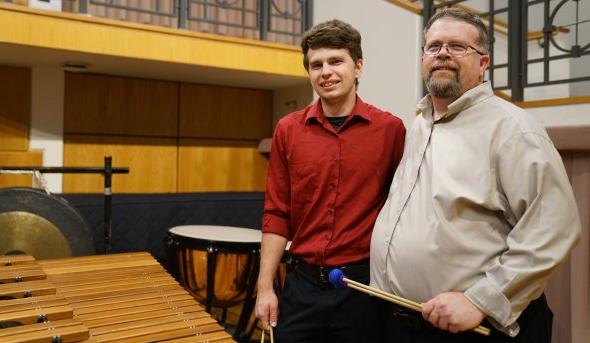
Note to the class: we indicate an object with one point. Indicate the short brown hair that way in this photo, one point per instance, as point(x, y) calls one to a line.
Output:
point(334, 34)
point(464, 16)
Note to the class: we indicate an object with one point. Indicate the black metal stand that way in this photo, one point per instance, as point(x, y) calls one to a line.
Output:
point(108, 203)
point(107, 172)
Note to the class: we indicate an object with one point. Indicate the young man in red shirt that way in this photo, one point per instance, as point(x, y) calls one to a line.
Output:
point(330, 169)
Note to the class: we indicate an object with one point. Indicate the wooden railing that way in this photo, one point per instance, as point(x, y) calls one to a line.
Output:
point(280, 21)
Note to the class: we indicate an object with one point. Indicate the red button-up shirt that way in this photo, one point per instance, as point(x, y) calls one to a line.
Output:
point(325, 187)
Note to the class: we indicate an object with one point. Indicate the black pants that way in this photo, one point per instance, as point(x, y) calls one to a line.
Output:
point(409, 327)
point(312, 312)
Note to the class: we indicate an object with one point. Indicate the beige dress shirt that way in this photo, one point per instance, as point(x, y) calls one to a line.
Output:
point(481, 204)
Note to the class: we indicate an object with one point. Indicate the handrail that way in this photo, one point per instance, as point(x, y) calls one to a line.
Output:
point(408, 5)
point(554, 102)
point(500, 26)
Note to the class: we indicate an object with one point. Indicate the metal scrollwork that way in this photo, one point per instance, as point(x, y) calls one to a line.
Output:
point(296, 14)
point(576, 50)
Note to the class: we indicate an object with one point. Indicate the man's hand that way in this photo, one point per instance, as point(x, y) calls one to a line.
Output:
point(271, 250)
point(267, 308)
point(452, 311)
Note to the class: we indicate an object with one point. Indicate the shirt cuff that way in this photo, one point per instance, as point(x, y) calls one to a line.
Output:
point(274, 224)
point(490, 300)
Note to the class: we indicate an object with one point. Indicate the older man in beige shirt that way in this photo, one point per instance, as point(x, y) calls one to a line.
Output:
point(480, 211)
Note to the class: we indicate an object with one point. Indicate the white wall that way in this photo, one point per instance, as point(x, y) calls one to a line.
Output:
point(391, 51)
point(47, 108)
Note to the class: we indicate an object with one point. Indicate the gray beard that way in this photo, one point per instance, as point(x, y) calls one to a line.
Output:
point(445, 89)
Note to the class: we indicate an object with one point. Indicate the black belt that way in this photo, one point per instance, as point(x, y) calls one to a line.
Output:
point(319, 274)
point(407, 318)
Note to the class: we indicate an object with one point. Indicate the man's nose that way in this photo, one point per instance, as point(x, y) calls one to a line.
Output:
point(444, 51)
point(326, 70)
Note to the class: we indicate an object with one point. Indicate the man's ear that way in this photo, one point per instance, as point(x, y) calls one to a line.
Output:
point(358, 68)
point(484, 63)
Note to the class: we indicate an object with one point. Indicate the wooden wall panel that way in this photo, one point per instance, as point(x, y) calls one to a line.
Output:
point(213, 134)
point(15, 108)
point(216, 165)
point(98, 104)
point(570, 138)
point(152, 163)
point(19, 159)
point(225, 112)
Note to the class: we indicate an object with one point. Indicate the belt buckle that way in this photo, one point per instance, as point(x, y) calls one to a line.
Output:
point(323, 275)
point(408, 319)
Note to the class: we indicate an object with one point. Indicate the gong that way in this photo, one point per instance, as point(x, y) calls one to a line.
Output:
point(43, 225)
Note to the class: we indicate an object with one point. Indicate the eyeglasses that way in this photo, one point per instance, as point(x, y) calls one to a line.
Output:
point(454, 49)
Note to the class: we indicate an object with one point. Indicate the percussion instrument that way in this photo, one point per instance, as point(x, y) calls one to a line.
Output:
point(45, 226)
point(106, 298)
point(219, 266)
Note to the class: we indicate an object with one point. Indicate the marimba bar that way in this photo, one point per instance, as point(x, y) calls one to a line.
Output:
point(106, 298)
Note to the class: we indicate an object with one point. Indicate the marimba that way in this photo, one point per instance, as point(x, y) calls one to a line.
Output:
point(103, 298)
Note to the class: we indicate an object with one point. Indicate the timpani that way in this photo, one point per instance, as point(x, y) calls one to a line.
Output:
point(218, 265)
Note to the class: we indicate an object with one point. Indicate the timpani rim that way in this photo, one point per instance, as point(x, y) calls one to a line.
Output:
point(217, 233)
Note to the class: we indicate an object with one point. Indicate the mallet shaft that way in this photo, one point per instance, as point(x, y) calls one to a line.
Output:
point(412, 305)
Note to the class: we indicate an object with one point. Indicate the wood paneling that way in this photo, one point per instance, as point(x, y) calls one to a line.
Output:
point(214, 165)
point(118, 105)
point(151, 161)
point(570, 138)
point(19, 159)
point(225, 112)
point(213, 147)
point(15, 108)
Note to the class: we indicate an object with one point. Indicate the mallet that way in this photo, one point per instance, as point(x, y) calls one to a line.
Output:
point(338, 279)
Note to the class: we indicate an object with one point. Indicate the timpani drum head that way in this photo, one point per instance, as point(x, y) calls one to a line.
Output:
point(45, 226)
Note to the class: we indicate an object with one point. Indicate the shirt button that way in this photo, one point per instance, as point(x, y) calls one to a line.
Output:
point(332, 185)
point(327, 237)
point(331, 211)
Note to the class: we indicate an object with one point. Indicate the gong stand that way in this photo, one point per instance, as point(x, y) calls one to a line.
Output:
point(107, 172)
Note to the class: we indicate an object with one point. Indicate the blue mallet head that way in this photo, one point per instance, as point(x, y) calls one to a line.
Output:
point(336, 278)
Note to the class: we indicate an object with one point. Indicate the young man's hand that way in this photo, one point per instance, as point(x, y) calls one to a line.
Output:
point(267, 308)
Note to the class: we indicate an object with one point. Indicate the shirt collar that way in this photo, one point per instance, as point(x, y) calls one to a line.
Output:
point(316, 113)
point(467, 99)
